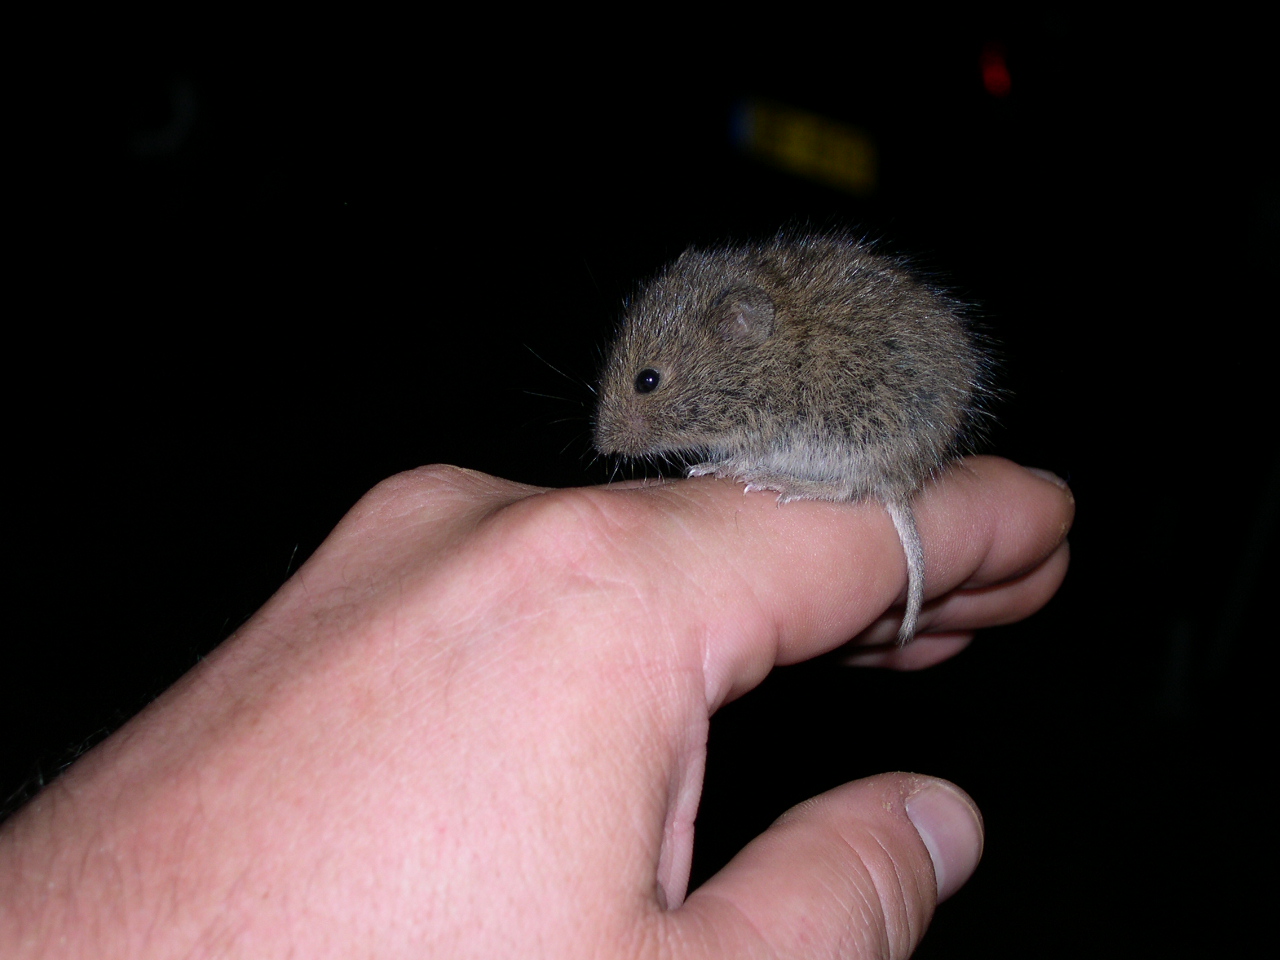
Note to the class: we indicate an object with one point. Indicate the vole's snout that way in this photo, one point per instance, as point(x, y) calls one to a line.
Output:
point(623, 433)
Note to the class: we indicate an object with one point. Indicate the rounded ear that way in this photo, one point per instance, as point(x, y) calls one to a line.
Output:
point(743, 315)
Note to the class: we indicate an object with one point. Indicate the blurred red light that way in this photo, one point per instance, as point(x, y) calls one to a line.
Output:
point(995, 70)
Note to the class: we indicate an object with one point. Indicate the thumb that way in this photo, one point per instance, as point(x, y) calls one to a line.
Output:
point(853, 873)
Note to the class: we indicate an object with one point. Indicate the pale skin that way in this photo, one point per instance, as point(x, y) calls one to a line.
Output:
point(474, 723)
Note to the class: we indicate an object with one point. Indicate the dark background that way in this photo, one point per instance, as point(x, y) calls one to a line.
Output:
point(266, 275)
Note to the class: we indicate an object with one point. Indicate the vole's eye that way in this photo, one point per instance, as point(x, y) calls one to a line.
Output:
point(647, 381)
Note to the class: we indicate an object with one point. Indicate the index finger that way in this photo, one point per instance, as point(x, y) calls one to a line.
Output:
point(762, 584)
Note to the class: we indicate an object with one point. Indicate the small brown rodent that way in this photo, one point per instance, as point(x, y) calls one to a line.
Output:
point(807, 365)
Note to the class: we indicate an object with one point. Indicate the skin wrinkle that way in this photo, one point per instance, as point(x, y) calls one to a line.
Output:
point(428, 496)
point(860, 874)
point(197, 815)
point(718, 688)
point(644, 668)
point(1002, 524)
point(967, 601)
point(777, 629)
point(485, 622)
point(220, 932)
point(643, 941)
point(676, 805)
point(898, 899)
point(1031, 590)
point(661, 807)
point(590, 560)
point(863, 916)
point(731, 903)
point(717, 691)
point(236, 890)
point(716, 589)
point(630, 586)
point(862, 913)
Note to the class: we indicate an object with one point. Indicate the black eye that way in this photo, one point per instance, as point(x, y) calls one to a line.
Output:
point(647, 381)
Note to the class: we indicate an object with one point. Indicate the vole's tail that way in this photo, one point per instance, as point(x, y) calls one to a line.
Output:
point(904, 521)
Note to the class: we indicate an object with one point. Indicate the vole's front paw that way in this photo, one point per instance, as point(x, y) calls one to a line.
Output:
point(787, 488)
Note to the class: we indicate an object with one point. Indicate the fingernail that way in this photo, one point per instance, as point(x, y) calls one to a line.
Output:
point(951, 828)
point(1049, 475)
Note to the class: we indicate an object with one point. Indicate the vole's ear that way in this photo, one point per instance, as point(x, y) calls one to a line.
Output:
point(743, 315)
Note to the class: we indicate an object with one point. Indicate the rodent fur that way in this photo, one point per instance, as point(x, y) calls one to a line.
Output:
point(808, 365)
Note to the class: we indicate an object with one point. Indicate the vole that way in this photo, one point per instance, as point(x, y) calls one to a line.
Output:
point(808, 365)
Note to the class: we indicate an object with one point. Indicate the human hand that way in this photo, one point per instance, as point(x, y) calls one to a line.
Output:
point(474, 724)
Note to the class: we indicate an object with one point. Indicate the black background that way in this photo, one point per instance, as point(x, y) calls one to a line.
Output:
point(263, 275)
